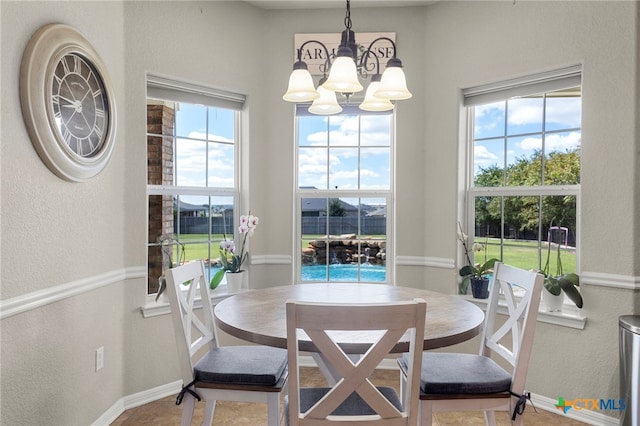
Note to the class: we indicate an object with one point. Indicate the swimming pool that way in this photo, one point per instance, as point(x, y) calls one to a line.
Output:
point(370, 273)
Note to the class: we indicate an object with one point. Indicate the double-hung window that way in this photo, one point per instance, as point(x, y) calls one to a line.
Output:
point(523, 156)
point(344, 196)
point(193, 141)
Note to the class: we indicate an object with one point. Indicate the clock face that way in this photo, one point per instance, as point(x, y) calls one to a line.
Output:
point(80, 106)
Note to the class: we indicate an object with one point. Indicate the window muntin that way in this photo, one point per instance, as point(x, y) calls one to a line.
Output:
point(347, 151)
point(199, 187)
point(525, 168)
point(344, 193)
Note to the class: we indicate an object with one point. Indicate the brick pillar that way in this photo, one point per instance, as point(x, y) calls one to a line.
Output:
point(160, 119)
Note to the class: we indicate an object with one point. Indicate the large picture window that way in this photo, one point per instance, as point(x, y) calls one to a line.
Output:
point(192, 173)
point(343, 201)
point(524, 170)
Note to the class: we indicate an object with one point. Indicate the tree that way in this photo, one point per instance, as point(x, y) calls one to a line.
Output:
point(523, 212)
point(336, 209)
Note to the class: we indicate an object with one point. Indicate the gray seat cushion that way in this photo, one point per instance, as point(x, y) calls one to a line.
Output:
point(242, 365)
point(453, 373)
point(352, 406)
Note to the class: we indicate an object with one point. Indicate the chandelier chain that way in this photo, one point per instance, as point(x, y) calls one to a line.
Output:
point(347, 18)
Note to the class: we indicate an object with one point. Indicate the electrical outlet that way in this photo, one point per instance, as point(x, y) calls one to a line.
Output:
point(99, 358)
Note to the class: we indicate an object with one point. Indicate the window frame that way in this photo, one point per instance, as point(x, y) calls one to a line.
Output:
point(546, 82)
point(386, 194)
point(176, 91)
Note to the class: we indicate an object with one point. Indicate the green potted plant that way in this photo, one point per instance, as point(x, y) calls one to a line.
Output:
point(559, 282)
point(476, 274)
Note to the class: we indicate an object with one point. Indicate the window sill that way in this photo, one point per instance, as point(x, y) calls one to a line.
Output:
point(568, 317)
point(153, 309)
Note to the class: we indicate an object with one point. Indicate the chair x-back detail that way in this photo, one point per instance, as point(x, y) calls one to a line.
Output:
point(209, 372)
point(354, 398)
point(466, 382)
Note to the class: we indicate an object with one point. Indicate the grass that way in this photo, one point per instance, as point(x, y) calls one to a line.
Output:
point(196, 246)
point(523, 254)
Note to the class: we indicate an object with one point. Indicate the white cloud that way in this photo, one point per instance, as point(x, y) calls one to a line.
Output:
point(191, 162)
point(212, 137)
point(483, 157)
point(525, 114)
point(567, 111)
point(484, 122)
point(313, 167)
point(553, 142)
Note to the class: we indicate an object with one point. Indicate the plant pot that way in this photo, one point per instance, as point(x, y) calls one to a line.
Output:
point(463, 287)
point(552, 302)
point(234, 281)
point(480, 288)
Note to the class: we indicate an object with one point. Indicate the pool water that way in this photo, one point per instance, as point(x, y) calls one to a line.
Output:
point(369, 273)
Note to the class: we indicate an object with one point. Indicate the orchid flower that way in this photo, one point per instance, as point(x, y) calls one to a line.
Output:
point(230, 260)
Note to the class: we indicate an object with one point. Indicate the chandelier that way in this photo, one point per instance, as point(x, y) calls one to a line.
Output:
point(343, 68)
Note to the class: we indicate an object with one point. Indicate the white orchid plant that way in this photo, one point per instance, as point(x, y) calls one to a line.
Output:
point(470, 270)
point(230, 259)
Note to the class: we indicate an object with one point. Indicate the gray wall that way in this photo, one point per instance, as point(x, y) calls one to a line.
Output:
point(82, 259)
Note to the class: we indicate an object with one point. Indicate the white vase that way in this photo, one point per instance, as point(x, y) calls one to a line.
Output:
point(234, 281)
point(552, 302)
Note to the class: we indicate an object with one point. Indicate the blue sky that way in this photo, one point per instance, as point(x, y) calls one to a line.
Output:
point(524, 125)
point(330, 144)
point(198, 124)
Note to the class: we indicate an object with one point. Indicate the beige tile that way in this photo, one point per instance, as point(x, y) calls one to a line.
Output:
point(165, 412)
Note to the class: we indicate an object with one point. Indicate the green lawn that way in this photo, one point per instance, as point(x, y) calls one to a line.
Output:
point(196, 246)
point(522, 254)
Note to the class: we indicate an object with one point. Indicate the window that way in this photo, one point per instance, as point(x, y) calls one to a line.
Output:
point(524, 167)
point(343, 200)
point(192, 173)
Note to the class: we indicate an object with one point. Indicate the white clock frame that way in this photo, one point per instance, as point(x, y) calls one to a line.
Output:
point(43, 52)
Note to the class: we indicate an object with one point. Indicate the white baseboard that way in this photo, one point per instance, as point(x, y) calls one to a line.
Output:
point(140, 398)
point(136, 400)
point(590, 417)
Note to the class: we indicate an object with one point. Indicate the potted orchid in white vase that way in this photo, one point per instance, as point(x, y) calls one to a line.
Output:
point(231, 260)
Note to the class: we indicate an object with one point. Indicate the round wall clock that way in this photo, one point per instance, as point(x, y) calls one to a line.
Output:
point(67, 103)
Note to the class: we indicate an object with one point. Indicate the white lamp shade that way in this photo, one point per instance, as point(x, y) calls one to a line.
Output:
point(372, 102)
point(326, 104)
point(393, 85)
point(343, 76)
point(301, 87)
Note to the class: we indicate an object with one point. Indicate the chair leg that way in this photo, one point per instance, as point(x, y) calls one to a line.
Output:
point(490, 418)
point(426, 413)
point(188, 407)
point(209, 408)
point(273, 408)
point(403, 388)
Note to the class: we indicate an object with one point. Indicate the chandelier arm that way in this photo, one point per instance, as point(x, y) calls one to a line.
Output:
point(364, 66)
point(393, 46)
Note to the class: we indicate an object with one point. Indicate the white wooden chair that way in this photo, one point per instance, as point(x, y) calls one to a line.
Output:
point(353, 399)
point(209, 372)
point(467, 382)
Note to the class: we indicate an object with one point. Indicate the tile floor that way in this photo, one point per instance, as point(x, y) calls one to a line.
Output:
point(164, 412)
